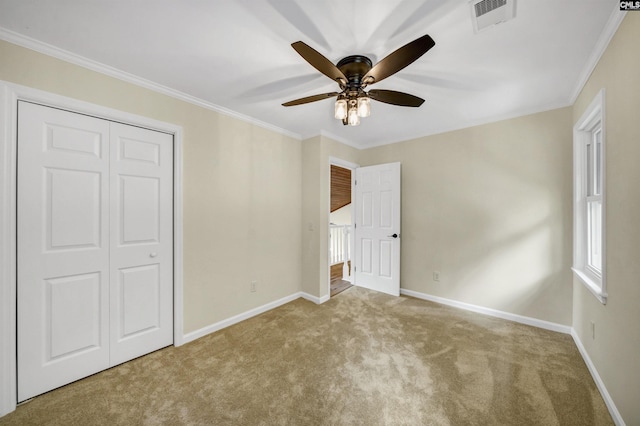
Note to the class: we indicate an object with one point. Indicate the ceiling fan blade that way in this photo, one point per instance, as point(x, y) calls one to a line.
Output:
point(399, 59)
point(319, 62)
point(311, 99)
point(395, 98)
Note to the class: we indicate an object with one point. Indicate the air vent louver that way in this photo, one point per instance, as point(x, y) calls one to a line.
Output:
point(486, 6)
point(487, 13)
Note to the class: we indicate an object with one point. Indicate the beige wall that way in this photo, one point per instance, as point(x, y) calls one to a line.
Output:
point(342, 216)
point(615, 351)
point(240, 182)
point(312, 271)
point(316, 185)
point(489, 207)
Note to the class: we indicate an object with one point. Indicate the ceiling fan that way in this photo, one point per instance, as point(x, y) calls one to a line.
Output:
point(354, 73)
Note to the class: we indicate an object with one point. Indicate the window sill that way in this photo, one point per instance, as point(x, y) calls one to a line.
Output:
point(592, 285)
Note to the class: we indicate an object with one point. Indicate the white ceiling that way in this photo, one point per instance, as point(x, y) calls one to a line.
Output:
point(236, 55)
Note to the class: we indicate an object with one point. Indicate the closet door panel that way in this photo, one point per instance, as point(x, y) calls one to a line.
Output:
point(95, 245)
point(63, 248)
point(141, 241)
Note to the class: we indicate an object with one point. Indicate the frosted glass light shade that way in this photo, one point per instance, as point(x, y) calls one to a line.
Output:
point(364, 107)
point(354, 119)
point(341, 109)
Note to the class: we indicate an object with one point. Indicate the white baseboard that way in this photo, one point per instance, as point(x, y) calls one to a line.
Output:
point(615, 414)
point(491, 312)
point(189, 337)
point(314, 299)
point(613, 410)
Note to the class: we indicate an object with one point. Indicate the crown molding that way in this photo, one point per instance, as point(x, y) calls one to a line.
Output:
point(523, 112)
point(340, 139)
point(610, 28)
point(56, 52)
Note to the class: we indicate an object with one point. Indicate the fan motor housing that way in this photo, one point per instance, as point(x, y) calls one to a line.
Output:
point(355, 67)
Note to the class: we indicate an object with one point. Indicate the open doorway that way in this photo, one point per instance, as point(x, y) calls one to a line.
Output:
point(340, 229)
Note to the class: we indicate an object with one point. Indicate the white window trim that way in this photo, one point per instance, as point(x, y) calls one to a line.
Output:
point(594, 113)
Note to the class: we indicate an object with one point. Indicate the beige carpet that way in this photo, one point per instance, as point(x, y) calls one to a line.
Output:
point(362, 358)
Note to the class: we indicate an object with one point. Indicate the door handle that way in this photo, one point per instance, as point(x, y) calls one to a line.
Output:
point(153, 254)
point(393, 236)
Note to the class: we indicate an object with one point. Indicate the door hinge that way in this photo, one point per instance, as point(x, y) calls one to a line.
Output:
point(356, 182)
point(355, 225)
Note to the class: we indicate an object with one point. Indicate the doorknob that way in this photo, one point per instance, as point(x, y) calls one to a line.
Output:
point(393, 236)
point(153, 254)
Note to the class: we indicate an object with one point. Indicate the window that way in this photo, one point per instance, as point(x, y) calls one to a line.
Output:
point(588, 188)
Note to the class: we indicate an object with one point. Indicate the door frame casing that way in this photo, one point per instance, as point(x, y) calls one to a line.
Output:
point(10, 94)
point(333, 161)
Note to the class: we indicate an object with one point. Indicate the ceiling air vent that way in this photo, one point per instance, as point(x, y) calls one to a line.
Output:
point(487, 13)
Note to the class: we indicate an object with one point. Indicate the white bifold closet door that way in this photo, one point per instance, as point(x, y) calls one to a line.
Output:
point(95, 245)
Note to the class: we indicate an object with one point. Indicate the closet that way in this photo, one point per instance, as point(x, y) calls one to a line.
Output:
point(95, 245)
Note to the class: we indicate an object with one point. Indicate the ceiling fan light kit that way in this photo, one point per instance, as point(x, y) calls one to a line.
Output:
point(341, 109)
point(354, 118)
point(364, 106)
point(355, 73)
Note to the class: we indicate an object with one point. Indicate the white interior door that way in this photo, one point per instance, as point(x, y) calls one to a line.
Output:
point(63, 248)
point(377, 231)
point(95, 261)
point(141, 241)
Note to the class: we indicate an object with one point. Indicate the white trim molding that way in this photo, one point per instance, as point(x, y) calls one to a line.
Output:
point(583, 131)
point(613, 410)
point(335, 161)
point(337, 138)
point(193, 335)
point(615, 19)
point(56, 52)
point(8, 379)
point(343, 163)
point(10, 94)
point(522, 112)
point(315, 299)
point(201, 332)
point(560, 328)
point(178, 240)
point(547, 325)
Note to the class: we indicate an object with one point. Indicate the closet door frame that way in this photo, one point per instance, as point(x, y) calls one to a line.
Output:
point(10, 94)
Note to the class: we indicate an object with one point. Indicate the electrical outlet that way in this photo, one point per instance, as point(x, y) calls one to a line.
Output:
point(436, 276)
point(593, 329)
point(252, 288)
